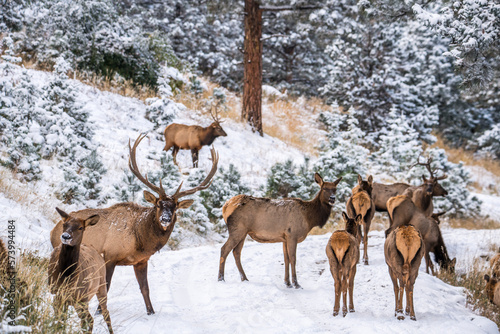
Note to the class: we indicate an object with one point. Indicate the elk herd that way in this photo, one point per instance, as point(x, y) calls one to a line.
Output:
point(90, 243)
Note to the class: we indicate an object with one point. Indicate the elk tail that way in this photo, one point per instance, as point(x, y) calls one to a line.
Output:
point(340, 246)
point(408, 243)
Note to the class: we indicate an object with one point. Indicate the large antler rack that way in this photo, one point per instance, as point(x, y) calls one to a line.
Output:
point(132, 164)
point(427, 165)
point(203, 185)
point(215, 115)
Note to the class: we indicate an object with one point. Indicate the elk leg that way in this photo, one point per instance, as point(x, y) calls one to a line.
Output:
point(292, 251)
point(87, 322)
point(365, 243)
point(110, 269)
point(194, 154)
point(230, 244)
point(396, 290)
point(336, 306)
point(428, 263)
point(102, 297)
point(400, 300)
point(409, 297)
point(344, 292)
point(287, 265)
point(352, 273)
point(237, 259)
point(141, 274)
point(175, 150)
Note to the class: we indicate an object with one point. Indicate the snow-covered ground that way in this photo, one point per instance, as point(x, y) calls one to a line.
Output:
point(188, 298)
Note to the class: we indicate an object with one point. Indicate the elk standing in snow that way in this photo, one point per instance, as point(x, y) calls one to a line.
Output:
point(77, 272)
point(403, 250)
point(361, 203)
point(342, 251)
point(286, 220)
point(129, 234)
point(192, 137)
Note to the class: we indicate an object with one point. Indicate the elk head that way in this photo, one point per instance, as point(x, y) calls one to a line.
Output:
point(431, 185)
point(351, 224)
point(73, 228)
point(436, 216)
point(491, 283)
point(328, 189)
point(366, 185)
point(166, 205)
point(215, 127)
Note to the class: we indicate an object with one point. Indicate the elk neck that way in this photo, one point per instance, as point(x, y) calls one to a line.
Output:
point(318, 211)
point(68, 259)
point(149, 236)
point(207, 136)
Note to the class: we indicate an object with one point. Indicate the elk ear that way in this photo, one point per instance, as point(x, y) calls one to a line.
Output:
point(337, 181)
point(360, 179)
point(318, 179)
point(63, 214)
point(344, 216)
point(487, 278)
point(370, 179)
point(185, 204)
point(92, 220)
point(149, 197)
point(358, 219)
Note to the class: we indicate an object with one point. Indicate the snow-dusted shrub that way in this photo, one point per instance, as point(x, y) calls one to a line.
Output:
point(161, 112)
point(288, 180)
point(489, 142)
point(225, 184)
point(128, 190)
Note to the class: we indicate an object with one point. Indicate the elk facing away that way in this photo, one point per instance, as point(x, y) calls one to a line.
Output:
point(287, 220)
point(403, 211)
point(422, 194)
point(342, 251)
point(192, 137)
point(129, 234)
point(403, 251)
point(361, 203)
point(77, 272)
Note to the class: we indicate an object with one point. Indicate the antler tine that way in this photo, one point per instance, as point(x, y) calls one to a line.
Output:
point(132, 164)
point(427, 164)
point(206, 183)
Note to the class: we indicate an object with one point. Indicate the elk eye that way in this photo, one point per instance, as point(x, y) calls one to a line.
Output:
point(81, 228)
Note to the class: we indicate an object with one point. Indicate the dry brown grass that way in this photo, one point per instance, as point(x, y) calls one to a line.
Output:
point(473, 223)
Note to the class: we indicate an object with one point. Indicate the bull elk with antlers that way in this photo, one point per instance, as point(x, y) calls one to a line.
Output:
point(361, 203)
point(287, 220)
point(422, 194)
point(192, 137)
point(342, 251)
point(403, 250)
point(129, 234)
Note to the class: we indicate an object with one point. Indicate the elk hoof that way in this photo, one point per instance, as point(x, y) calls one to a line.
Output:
point(297, 286)
point(288, 285)
point(414, 318)
point(344, 312)
point(365, 262)
point(351, 310)
point(335, 313)
point(221, 278)
point(400, 316)
point(150, 312)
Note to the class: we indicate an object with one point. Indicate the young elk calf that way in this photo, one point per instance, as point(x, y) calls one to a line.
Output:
point(78, 272)
point(343, 255)
point(192, 137)
point(403, 251)
point(361, 203)
point(287, 220)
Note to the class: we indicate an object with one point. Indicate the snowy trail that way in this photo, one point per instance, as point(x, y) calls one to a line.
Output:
point(188, 298)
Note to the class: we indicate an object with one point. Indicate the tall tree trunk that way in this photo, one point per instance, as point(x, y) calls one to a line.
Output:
point(252, 79)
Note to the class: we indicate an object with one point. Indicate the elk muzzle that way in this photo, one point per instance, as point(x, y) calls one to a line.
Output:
point(66, 238)
point(331, 200)
point(165, 219)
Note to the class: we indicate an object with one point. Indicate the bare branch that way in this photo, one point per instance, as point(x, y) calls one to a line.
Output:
point(272, 36)
point(285, 8)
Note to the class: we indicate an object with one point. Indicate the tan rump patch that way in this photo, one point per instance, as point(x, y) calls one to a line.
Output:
point(231, 205)
point(394, 202)
point(361, 202)
point(408, 242)
point(340, 244)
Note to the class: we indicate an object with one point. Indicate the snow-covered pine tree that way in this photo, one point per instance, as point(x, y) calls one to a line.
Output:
point(489, 142)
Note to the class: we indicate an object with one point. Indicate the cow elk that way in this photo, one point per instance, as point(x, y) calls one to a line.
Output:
point(77, 272)
point(129, 234)
point(342, 251)
point(403, 250)
point(403, 211)
point(286, 220)
point(361, 203)
point(192, 137)
point(422, 194)
point(493, 289)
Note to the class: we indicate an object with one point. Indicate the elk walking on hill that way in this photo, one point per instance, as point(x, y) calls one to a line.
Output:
point(77, 272)
point(192, 137)
point(129, 234)
point(361, 203)
point(403, 250)
point(403, 211)
point(342, 251)
point(286, 220)
point(422, 194)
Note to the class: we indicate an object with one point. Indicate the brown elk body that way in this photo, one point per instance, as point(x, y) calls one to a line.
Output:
point(129, 234)
point(287, 220)
point(191, 137)
point(77, 272)
point(403, 211)
point(361, 203)
point(4, 259)
point(342, 251)
point(493, 289)
point(403, 250)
